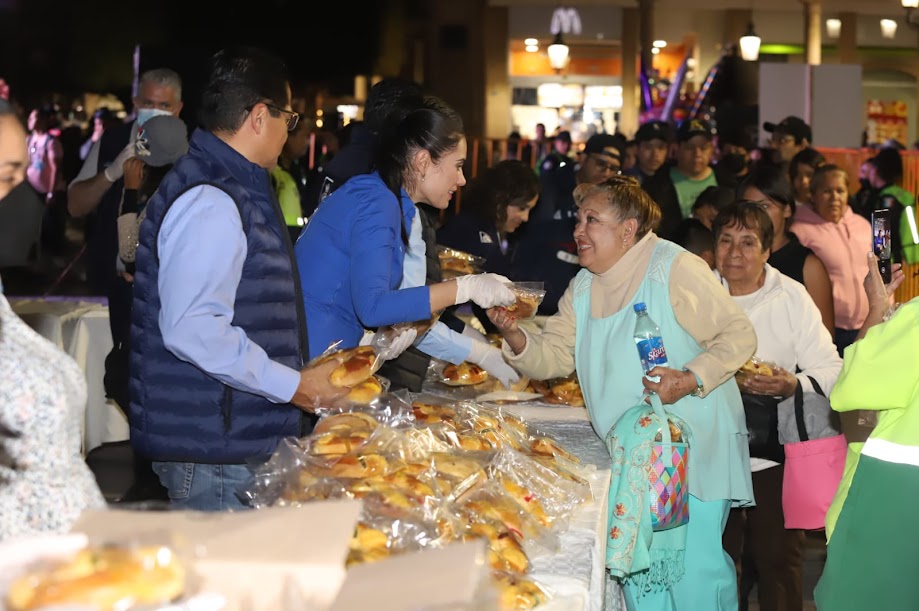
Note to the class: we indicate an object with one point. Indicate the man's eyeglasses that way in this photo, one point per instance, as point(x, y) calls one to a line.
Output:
point(292, 117)
point(604, 166)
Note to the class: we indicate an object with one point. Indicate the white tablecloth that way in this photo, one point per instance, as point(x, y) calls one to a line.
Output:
point(81, 329)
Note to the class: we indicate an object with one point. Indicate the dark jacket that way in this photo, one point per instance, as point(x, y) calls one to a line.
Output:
point(661, 189)
point(102, 223)
point(354, 159)
point(177, 411)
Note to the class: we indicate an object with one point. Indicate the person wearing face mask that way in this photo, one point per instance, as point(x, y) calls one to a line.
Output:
point(96, 191)
point(494, 207)
point(841, 239)
point(44, 482)
point(21, 210)
point(362, 235)
point(707, 338)
point(676, 188)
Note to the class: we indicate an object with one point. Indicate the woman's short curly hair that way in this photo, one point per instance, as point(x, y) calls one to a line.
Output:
point(627, 200)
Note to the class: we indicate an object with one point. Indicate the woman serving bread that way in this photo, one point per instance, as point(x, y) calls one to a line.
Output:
point(352, 252)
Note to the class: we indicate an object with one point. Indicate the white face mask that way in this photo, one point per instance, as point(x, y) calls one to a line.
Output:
point(145, 114)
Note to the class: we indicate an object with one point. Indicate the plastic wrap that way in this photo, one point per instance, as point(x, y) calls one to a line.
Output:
point(381, 533)
point(490, 500)
point(464, 374)
point(536, 488)
point(529, 297)
point(455, 263)
point(560, 391)
point(149, 571)
point(754, 366)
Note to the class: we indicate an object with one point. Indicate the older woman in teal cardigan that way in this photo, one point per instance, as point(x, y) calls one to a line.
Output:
point(707, 338)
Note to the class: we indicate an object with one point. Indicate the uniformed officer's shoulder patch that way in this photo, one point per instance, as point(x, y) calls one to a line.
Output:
point(484, 238)
point(547, 164)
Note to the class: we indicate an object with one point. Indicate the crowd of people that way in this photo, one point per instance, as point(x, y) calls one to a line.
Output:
point(219, 294)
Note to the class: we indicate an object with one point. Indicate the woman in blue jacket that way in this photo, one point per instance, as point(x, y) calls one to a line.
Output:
point(351, 253)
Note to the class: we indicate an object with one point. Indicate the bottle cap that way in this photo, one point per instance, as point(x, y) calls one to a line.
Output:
point(640, 306)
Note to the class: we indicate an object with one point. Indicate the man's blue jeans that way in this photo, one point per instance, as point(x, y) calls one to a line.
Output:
point(204, 487)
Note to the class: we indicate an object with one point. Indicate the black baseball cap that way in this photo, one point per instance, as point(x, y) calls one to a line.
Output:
point(604, 144)
point(655, 130)
point(690, 128)
point(564, 136)
point(793, 126)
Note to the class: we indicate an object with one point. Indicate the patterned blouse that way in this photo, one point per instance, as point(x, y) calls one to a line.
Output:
point(44, 482)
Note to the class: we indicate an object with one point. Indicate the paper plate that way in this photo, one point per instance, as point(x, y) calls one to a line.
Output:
point(509, 395)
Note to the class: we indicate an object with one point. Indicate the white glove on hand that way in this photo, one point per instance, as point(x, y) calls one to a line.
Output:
point(116, 170)
point(399, 344)
point(470, 331)
point(485, 290)
point(367, 338)
point(491, 360)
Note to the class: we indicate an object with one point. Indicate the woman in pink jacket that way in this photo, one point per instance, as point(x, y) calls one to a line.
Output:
point(842, 240)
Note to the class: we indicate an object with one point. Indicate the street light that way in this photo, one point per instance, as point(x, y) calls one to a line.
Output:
point(558, 53)
point(910, 6)
point(749, 45)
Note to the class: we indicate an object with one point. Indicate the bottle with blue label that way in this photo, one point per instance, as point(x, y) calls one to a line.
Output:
point(648, 340)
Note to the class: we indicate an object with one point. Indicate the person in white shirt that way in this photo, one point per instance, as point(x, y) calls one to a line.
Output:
point(791, 335)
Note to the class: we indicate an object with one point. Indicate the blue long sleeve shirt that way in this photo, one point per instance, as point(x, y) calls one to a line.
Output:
point(350, 259)
point(440, 341)
point(202, 248)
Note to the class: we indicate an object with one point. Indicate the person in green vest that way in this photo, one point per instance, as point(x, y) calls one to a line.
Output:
point(887, 168)
point(289, 178)
point(872, 542)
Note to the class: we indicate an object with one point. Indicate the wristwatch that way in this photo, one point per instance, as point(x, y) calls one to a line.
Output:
point(699, 389)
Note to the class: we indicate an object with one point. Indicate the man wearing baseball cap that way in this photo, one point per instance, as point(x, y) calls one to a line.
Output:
point(676, 188)
point(547, 250)
point(790, 136)
point(654, 139)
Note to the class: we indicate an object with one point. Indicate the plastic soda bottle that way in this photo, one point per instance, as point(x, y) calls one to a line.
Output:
point(648, 341)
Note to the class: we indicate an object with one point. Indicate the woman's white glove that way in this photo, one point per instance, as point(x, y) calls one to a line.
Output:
point(491, 360)
point(485, 290)
point(470, 331)
point(116, 170)
point(399, 344)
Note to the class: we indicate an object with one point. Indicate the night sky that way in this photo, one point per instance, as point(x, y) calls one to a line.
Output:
point(67, 47)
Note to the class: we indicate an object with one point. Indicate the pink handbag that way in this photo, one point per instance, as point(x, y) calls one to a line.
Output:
point(813, 470)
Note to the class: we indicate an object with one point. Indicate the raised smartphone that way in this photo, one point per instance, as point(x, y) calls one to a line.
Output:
point(880, 229)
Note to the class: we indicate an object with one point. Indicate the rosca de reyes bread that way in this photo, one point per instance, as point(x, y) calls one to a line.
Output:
point(102, 578)
point(356, 366)
point(525, 306)
point(464, 374)
point(366, 391)
point(755, 367)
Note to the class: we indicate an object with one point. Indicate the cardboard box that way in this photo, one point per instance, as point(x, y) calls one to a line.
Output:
point(453, 578)
point(277, 559)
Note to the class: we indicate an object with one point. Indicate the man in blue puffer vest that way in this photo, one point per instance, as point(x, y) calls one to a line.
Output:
point(218, 327)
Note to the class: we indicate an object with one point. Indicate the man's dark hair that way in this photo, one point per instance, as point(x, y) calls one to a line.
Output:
point(694, 236)
point(810, 157)
point(888, 164)
point(240, 78)
point(390, 99)
point(772, 182)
